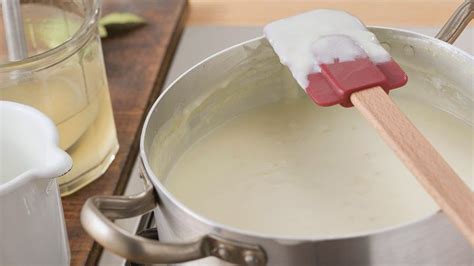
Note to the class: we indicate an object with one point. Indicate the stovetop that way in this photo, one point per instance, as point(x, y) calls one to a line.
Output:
point(196, 44)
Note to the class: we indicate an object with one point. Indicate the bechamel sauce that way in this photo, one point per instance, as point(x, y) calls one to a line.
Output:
point(293, 169)
point(305, 41)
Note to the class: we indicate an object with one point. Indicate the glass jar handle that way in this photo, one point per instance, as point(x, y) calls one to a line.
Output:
point(457, 22)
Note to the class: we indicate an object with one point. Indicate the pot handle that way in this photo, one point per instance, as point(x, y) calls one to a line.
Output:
point(457, 22)
point(95, 219)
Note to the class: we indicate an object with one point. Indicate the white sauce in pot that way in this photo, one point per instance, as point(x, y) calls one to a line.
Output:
point(305, 41)
point(292, 169)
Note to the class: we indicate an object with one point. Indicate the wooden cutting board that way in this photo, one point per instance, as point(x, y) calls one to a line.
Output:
point(136, 64)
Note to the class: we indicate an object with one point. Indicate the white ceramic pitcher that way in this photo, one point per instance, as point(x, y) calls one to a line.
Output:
point(32, 229)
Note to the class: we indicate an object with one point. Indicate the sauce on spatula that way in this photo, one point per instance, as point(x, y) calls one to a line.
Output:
point(295, 39)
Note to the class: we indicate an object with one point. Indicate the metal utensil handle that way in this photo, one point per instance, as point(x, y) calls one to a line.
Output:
point(457, 22)
point(14, 30)
point(97, 212)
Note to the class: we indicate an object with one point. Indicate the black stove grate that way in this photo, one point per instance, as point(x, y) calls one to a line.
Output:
point(147, 229)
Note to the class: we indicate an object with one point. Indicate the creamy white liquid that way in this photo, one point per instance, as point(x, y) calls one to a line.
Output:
point(294, 169)
point(305, 41)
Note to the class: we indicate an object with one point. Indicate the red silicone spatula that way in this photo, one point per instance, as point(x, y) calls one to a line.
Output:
point(365, 85)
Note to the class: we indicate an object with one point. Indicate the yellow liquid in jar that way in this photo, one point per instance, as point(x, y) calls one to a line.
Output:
point(73, 93)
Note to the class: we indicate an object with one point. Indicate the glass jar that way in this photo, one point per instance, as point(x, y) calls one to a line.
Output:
point(63, 75)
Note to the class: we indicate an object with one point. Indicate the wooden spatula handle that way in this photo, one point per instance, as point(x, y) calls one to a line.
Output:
point(419, 156)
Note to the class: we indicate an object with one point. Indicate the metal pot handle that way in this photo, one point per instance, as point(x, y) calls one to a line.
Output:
point(97, 212)
point(457, 22)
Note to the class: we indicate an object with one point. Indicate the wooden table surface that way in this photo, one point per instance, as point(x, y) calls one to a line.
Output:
point(136, 65)
point(372, 12)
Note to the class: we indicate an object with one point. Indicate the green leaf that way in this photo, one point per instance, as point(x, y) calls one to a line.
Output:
point(102, 31)
point(120, 22)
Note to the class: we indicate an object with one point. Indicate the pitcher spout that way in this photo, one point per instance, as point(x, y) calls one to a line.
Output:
point(28, 147)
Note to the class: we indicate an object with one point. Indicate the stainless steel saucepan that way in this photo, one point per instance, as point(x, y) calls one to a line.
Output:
point(236, 79)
